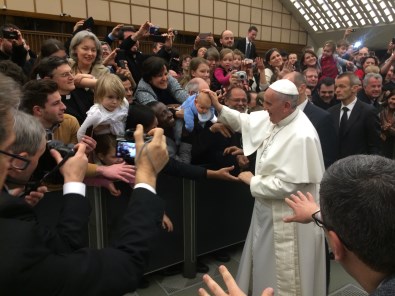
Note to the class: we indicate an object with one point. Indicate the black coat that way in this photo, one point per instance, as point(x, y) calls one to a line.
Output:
point(362, 134)
point(325, 127)
point(29, 266)
point(242, 46)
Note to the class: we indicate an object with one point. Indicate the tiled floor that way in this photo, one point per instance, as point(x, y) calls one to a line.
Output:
point(341, 283)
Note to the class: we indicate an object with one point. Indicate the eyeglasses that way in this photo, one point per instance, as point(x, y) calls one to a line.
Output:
point(242, 101)
point(66, 74)
point(17, 162)
point(321, 224)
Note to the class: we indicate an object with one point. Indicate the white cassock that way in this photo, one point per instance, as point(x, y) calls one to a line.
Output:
point(289, 257)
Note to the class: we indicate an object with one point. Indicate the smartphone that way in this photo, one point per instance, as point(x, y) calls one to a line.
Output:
point(158, 38)
point(88, 23)
point(89, 131)
point(153, 30)
point(393, 40)
point(122, 63)
point(10, 34)
point(126, 149)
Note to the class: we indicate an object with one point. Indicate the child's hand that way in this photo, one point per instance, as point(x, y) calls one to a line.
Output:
point(167, 224)
point(114, 191)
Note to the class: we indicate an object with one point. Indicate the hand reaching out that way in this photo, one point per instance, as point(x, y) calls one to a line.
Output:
point(303, 206)
point(233, 289)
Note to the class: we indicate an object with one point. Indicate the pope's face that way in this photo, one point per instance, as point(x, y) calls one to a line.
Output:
point(274, 106)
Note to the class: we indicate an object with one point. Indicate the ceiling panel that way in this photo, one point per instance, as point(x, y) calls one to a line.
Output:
point(328, 19)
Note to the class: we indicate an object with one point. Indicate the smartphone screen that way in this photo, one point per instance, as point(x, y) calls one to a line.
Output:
point(10, 34)
point(126, 149)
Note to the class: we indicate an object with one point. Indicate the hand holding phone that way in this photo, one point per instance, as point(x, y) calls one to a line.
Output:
point(88, 23)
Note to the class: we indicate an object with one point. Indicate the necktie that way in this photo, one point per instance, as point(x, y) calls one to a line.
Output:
point(343, 121)
point(248, 50)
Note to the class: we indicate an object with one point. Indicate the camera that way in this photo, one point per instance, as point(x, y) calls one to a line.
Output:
point(129, 136)
point(127, 150)
point(126, 146)
point(46, 164)
point(10, 34)
point(242, 75)
point(66, 150)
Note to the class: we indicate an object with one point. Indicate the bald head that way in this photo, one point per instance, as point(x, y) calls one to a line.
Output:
point(300, 81)
point(227, 39)
point(195, 85)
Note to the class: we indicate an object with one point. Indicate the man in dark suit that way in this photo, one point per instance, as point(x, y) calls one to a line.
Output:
point(321, 119)
point(325, 97)
point(26, 252)
point(246, 45)
point(358, 126)
point(372, 88)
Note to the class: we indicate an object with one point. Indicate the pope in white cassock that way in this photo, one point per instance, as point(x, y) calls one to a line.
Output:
point(290, 257)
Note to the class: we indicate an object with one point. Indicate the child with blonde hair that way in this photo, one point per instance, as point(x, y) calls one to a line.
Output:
point(223, 72)
point(110, 109)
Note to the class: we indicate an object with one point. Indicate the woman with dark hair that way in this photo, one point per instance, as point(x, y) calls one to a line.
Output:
point(157, 85)
point(309, 60)
point(365, 62)
point(274, 63)
point(387, 119)
point(50, 47)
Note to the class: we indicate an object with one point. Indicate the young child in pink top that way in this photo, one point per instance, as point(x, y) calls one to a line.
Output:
point(224, 71)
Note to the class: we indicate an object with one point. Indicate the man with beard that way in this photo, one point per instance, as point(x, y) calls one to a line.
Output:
point(325, 95)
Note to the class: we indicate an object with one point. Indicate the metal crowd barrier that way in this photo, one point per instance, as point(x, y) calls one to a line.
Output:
point(207, 215)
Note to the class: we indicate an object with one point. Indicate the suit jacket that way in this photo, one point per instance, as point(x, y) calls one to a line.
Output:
point(386, 288)
point(242, 46)
point(325, 127)
point(68, 234)
point(362, 134)
point(362, 96)
point(29, 265)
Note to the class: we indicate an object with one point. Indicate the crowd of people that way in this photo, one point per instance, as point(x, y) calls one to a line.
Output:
point(275, 123)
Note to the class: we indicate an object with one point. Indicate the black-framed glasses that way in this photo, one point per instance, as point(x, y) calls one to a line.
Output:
point(318, 221)
point(17, 162)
